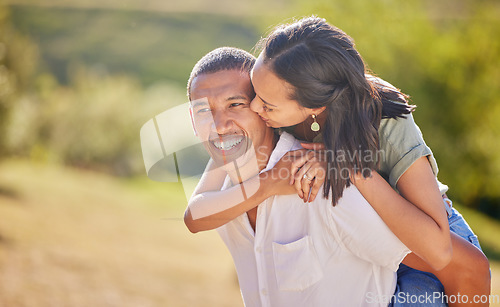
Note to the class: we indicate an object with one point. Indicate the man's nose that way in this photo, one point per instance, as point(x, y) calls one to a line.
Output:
point(222, 122)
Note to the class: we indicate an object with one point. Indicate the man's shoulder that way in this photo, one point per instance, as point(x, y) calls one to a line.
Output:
point(286, 143)
point(289, 141)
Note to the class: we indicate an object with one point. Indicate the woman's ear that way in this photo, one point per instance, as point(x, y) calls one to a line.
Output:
point(318, 111)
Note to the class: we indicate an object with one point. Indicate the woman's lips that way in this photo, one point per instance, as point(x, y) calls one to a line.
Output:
point(266, 121)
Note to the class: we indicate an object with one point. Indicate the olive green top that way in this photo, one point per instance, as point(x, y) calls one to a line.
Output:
point(401, 143)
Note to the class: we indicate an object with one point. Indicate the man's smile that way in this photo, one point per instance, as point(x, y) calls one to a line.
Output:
point(227, 143)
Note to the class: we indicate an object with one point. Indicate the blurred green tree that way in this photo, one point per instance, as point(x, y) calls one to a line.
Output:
point(93, 122)
point(18, 61)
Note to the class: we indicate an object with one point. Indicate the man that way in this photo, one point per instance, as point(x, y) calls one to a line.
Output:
point(286, 253)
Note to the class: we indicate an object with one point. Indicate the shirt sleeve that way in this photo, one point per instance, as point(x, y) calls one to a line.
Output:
point(401, 144)
point(362, 232)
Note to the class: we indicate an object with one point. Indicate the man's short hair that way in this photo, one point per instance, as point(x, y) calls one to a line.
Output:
point(223, 58)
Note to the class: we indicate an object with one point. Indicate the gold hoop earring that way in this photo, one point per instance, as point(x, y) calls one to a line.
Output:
point(315, 126)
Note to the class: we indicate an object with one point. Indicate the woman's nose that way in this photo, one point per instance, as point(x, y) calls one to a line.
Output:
point(256, 105)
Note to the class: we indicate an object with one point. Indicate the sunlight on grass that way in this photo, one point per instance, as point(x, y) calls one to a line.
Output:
point(495, 283)
point(77, 238)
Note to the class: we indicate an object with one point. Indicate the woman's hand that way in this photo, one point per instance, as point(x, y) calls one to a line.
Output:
point(276, 181)
point(306, 171)
point(315, 167)
point(313, 146)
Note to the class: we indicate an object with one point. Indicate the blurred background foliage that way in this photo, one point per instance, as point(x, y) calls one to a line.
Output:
point(79, 78)
point(78, 81)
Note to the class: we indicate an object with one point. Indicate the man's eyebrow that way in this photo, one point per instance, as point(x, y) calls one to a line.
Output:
point(199, 103)
point(265, 102)
point(237, 97)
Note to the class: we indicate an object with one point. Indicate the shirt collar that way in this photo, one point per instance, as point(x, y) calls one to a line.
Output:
point(285, 144)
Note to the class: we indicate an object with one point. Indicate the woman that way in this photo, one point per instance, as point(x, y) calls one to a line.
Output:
point(310, 78)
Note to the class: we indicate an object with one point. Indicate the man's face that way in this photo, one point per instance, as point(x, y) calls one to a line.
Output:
point(220, 105)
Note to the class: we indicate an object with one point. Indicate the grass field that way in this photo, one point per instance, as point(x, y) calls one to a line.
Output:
point(77, 238)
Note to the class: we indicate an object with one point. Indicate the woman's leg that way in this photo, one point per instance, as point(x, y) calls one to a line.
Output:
point(417, 288)
point(467, 274)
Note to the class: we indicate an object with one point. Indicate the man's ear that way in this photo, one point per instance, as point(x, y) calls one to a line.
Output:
point(192, 121)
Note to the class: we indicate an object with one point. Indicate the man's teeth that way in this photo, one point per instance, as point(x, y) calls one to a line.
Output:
point(227, 144)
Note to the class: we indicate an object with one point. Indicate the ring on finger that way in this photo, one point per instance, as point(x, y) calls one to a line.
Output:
point(307, 177)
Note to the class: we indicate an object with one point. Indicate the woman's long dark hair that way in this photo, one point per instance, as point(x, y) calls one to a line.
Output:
point(321, 63)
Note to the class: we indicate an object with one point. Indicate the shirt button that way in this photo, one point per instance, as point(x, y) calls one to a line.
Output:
point(264, 292)
point(258, 249)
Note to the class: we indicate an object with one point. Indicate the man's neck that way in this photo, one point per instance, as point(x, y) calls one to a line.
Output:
point(254, 162)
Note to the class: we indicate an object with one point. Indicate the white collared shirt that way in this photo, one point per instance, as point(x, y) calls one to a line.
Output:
point(313, 254)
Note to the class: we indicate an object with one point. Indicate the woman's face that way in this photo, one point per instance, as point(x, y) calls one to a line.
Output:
point(272, 101)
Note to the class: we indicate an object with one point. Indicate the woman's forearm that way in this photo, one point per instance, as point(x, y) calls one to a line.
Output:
point(212, 209)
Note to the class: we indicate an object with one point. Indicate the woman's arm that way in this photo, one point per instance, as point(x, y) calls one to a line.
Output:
point(212, 209)
point(419, 221)
point(468, 272)
point(209, 207)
